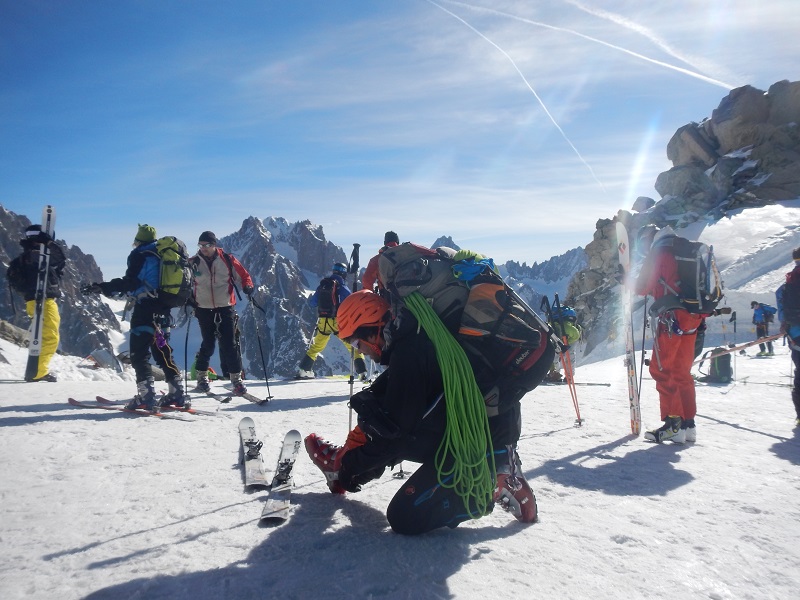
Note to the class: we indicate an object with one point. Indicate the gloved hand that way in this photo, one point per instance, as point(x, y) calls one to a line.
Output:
point(184, 315)
point(353, 482)
point(92, 288)
point(248, 290)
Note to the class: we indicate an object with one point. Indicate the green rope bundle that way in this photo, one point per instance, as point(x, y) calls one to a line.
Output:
point(466, 439)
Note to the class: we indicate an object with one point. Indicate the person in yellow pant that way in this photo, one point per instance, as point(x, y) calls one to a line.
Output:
point(22, 276)
point(326, 299)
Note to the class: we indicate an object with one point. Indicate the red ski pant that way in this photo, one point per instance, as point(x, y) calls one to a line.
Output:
point(671, 367)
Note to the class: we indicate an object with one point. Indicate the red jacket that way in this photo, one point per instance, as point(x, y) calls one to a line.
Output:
point(370, 276)
point(659, 267)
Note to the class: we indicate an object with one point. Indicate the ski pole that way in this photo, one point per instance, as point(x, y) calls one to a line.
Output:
point(566, 360)
point(186, 349)
point(644, 335)
point(258, 339)
point(13, 304)
point(352, 268)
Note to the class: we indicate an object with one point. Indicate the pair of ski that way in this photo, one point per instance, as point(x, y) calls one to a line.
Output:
point(165, 412)
point(623, 249)
point(36, 331)
point(120, 407)
point(276, 508)
point(225, 398)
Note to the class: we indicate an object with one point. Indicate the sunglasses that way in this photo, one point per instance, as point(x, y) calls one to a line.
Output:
point(205, 245)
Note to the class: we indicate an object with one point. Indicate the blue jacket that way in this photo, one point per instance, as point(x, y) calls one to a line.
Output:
point(141, 277)
point(761, 311)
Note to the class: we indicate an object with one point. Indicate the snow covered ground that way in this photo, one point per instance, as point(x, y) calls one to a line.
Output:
point(97, 504)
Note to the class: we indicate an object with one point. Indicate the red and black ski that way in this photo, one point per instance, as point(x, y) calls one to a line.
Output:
point(131, 411)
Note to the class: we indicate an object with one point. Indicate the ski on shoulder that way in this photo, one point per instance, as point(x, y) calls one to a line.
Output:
point(35, 332)
point(276, 508)
point(251, 459)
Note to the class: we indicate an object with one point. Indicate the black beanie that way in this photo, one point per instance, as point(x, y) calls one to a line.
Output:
point(209, 237)
point(34, 234)
point(390, 236)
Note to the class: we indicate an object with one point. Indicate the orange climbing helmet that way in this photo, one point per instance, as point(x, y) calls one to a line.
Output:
point(361, 309)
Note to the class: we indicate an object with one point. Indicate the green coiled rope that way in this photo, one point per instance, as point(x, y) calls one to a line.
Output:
point(466, 441)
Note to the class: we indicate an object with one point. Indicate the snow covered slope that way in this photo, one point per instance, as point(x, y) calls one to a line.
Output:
point(102, 505)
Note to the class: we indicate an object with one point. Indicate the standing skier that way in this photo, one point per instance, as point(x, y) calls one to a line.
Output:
point(675, 331)
point(22, 275)
point(150, 322)
point(217, 275)
point(330, 293)
point(788, 300)
point(762, 315)
point(402, 416)
point(370, 279)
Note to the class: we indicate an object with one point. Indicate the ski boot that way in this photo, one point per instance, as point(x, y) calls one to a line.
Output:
point(690, 429)
point(669, 431)
point(239, 388)
point(512, 492)
point(305, 368)
point(202, 383)
point(146, 397)
point(176, 396)
point(328, 459)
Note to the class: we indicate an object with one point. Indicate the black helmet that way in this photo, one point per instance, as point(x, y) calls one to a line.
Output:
point(340, 268)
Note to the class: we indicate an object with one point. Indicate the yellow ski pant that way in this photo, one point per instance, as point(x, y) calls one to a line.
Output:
point(326, 327)
point(50, 324)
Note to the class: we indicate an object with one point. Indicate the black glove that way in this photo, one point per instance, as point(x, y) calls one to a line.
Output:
point(91, 288)
point(353, 482)
point(372, 419)
point(248, 290)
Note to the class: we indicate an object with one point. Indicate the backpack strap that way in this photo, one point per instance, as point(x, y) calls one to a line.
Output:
point(229, 262)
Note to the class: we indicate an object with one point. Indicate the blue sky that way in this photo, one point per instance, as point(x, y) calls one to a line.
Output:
point(511, 126)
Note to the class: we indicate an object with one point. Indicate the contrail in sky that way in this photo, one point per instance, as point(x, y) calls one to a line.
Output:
point(541, 103)
point(694, 74)
point(627, 23)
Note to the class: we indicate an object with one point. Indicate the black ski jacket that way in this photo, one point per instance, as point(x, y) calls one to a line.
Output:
point(405, 398)
point(23, 270)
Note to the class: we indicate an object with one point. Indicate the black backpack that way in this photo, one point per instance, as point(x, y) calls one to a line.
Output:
point(699, 280)
point(719, 367)
point(509, 347)
point(327, 297)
